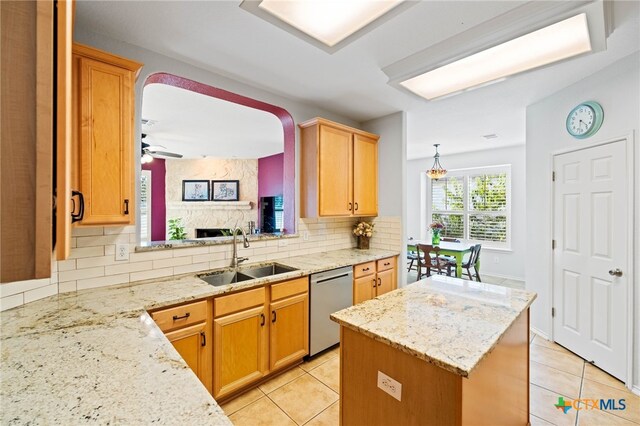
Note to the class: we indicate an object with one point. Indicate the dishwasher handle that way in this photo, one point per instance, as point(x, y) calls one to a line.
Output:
point(334, 277)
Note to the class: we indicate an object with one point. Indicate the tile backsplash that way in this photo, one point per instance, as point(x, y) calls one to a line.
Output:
point(92, 260)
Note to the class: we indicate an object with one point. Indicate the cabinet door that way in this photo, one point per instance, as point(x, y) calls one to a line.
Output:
point(385, 282)
point(363, 288)
point(365, 176)
point(289, 330)
point(335, 179)
point(106, 142)
point(193, 345)
point(240, 350)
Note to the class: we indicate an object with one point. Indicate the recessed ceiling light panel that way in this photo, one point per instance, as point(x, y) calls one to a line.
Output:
point(328, 24)
point(553, 43)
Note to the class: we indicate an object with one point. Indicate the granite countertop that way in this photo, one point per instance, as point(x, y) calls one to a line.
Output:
point(448, 322)
point(96, 356)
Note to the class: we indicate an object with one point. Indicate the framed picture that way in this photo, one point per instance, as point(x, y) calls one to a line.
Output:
point(226, 190)
point(195, 190)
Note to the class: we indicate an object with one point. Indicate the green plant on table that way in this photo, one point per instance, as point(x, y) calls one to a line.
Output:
point(176, 229)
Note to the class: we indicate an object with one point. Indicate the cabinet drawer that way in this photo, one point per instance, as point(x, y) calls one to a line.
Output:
point(385, 264)
point(289, 288)
point(364, 269)
point(180, 316)
point(239, 301)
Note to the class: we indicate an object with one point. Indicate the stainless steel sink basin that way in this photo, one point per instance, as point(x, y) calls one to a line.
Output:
point(266, 270)
point(225, 278)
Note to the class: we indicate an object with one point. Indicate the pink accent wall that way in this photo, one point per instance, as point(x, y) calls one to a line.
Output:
point(270, 175)
point(158, 205)
point(289, 172)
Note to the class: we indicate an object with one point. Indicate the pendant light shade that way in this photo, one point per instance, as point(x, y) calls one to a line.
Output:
point(437, 171)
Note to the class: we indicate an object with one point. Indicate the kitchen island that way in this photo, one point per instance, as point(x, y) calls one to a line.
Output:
point(445, 351)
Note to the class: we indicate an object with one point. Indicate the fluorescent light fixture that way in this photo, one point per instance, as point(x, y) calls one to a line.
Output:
point(547, 45)
point(328, 21)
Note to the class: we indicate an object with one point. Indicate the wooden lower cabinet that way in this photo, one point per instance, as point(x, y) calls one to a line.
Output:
point(373, 279)
point(289, 330)
point(193, 346)
point(240, 342)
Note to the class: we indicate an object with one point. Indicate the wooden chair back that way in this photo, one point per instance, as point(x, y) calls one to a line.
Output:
point(427, 261)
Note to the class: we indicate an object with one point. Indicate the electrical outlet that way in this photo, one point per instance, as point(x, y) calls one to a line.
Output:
point(305, 235)
point(122, 251)
point(390, 386)
point(283, 243)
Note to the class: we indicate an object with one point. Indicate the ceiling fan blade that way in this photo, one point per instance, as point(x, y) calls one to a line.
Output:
point(164, 154)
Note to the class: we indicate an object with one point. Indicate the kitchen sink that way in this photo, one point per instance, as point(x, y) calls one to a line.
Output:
point(223, 278)
point(266, 270)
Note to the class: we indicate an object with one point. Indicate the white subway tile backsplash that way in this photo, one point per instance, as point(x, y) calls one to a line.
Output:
point(91, 262)
point(150, 255)
point(174, 261)
point(87, 232)
point(102, 240)
point(190, 251)
point(116, 230)
point(82, 273)
point(79, 253)
point(102, 281)
point(125, 268)
point(66, 265)
point(9, 289)
point(154, 273)
point(11, 301)
point(196, 267)
point(67, 286)
point(40, 293)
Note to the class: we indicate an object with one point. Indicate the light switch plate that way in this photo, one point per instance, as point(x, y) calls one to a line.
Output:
point(122, 251)
point(389, 385)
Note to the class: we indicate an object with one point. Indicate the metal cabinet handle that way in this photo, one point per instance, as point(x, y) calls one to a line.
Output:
point(262, 320)
point(365, 269)
point(356, 206)
point(374, 283)
point(274, 317)
point(387, 264)
point(615, 272)
point(204, 339)
point(185, 316)
point(77, 217)
point(350, 206)
point(379, 282)
point(126, 206)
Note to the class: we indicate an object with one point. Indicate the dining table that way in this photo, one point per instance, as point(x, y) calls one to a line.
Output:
point(448, 248)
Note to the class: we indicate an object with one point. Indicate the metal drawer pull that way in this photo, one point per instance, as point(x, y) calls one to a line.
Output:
point(126, 206)
point(387, 264)
point(185, 316)
point(356, 206)
point(379, 282)
point(365, 269)
point(374, 283)
point(273, 316)
point(204, 338)
point(350, 205)
point(262, 320)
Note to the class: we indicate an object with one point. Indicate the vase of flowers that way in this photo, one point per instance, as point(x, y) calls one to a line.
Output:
point(363, 232)
point(436, 230)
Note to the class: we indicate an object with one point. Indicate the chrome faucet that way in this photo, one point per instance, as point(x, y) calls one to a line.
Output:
point(235, 261)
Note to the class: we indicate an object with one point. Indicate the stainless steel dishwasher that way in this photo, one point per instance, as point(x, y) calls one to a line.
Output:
point(331, 291)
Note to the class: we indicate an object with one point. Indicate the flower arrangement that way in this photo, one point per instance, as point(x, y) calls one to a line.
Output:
point(363, 231)
point(436, 229)
point(436, 225)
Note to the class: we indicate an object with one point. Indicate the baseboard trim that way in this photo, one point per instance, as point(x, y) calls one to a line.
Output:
point(506, 277)
point(539, 333)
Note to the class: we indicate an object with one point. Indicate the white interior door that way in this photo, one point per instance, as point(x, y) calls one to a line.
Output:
point(591, 235)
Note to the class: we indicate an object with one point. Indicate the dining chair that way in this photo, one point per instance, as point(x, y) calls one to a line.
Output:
point(470, 262)
point(430, 262)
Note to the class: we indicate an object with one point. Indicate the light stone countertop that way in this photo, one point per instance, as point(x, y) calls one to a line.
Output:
point(448, 322)
point(96, 356)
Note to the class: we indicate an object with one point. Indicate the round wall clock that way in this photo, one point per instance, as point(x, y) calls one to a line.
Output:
point(585, 120)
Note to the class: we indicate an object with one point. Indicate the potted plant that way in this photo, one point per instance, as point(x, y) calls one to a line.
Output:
point(363, 232)
point(436, 230)
point(176, 229)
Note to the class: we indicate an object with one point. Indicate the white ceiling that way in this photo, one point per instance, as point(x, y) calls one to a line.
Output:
point(222, 37)
point(196, 125)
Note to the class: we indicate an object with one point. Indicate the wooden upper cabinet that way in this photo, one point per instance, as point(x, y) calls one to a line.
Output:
point(104, 125)
point(339, 170)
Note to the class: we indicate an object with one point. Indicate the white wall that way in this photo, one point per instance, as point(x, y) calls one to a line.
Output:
point(392, 160)
point(617, 89)
point(509, 264)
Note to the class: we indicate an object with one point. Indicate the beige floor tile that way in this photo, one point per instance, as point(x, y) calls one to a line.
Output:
point(560, 361)
point(537, 421)
point(555, 380)
point(242, 401)
point(601, 418)
point(329, 417)
point(595, 390)
point(303, 398)
point(328, 373)
point(541, 341)
point(543, 406)
point(281, 380)
point(262, 412)
point(597, 375)
point(318, 360)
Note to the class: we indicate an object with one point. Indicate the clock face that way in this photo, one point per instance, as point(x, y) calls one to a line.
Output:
point(585, 120)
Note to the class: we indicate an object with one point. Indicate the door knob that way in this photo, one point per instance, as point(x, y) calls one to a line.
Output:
point(615, 272)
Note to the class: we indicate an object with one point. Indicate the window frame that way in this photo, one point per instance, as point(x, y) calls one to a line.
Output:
point(465, 174)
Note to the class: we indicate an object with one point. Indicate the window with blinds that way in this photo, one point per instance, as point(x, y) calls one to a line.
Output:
point(473, 204)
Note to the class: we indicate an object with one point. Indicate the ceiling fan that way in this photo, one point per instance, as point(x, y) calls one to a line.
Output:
point(149, 152)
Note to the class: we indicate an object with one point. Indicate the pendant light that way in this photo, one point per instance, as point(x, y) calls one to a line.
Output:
point(437, 171)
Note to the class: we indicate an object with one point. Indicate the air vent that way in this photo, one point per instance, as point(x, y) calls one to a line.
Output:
point(491, 136)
